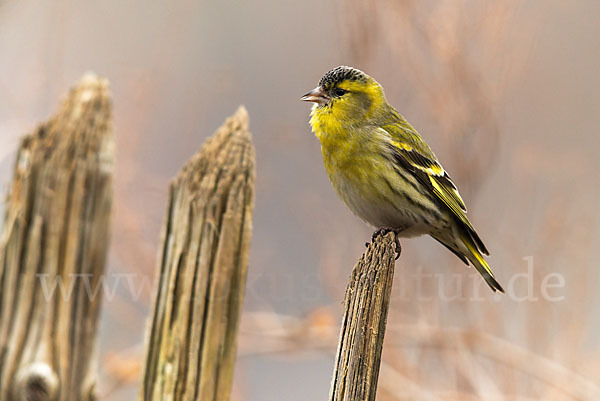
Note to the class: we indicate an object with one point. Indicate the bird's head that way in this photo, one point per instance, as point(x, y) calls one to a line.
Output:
point(346, 95)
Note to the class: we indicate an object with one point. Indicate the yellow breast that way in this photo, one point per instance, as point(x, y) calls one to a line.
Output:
point(352, 156)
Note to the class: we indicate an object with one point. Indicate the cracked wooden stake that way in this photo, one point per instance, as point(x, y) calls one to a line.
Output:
point(53, 249)
point(203, 263)
point(363, 327)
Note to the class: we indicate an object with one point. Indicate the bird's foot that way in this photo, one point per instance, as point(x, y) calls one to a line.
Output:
point(381, 231)
point(384, 231)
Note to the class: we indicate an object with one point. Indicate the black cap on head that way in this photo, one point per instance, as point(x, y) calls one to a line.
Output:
point(340, 74)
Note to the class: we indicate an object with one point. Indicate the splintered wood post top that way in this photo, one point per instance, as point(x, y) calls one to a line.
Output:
point(203, 264)
point(55, 236)
point(363, 327)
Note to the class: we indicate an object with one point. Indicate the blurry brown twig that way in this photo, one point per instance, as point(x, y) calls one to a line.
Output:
point(270, 333)
point(274, 334)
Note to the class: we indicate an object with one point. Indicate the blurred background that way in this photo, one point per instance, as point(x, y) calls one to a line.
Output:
point(505, 92)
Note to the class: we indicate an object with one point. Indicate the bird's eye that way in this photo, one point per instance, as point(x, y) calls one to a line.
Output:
point(338, 92)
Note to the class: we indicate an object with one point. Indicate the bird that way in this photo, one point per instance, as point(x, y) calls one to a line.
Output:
point(385, 172)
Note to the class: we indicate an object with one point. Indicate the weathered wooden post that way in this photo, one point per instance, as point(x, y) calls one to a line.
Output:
point(363, 327)
point(53, 249)
point(203, 262)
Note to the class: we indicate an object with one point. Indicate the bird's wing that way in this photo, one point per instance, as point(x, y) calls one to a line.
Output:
point(412, 153)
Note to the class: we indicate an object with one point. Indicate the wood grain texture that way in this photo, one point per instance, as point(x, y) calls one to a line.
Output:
point(56, 233)
point(203, 264)
point(363, 326)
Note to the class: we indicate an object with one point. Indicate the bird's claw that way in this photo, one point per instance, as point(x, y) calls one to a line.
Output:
point(380, 231)
point(384, 231)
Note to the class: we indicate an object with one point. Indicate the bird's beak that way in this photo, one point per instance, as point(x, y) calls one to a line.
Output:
point(316, 95)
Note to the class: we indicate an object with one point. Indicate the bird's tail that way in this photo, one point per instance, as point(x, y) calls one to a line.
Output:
point(476, 258)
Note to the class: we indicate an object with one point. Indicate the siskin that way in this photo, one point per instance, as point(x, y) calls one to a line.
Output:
point(384, 171)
